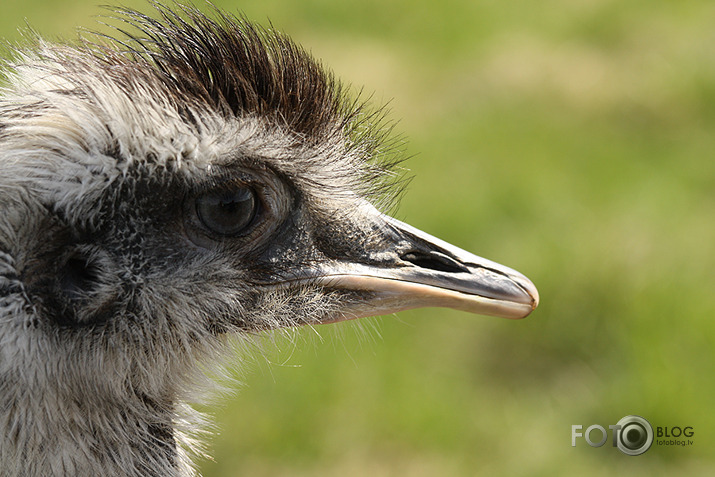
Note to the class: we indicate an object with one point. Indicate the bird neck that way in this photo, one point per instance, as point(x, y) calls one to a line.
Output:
point(55, 437)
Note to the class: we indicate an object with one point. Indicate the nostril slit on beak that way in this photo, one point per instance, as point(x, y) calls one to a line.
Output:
point(434, 261)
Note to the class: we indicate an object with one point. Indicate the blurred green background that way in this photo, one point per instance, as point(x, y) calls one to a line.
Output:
point(571, 140)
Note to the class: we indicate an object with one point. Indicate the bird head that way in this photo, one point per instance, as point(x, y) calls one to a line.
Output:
point(196, 179)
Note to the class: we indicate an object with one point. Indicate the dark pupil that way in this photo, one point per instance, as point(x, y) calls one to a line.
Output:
point(227, 212)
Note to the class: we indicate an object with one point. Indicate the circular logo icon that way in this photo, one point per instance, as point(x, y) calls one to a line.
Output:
point(635, 435)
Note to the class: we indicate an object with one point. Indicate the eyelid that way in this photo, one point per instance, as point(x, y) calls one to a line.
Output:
point(226, 179)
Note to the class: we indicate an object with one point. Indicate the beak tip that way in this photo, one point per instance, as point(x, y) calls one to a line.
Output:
point(531, 292)
point(534, 299)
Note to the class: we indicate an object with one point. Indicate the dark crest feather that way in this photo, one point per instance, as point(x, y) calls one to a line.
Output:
point(235, 66)
point(239, 68)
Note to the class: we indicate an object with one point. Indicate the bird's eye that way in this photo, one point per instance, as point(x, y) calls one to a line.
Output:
point(227, 212)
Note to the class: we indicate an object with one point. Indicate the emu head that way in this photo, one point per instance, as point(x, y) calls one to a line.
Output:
point(199, 179)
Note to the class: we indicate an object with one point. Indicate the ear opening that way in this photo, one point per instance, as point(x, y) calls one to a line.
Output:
point(79, 277)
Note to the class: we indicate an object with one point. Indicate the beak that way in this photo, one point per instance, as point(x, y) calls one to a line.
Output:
point(414, 270)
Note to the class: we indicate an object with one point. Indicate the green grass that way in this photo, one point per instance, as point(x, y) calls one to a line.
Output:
point(571, 140)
